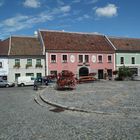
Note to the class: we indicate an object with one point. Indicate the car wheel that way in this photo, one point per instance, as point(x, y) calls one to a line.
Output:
point(7, 85)
point(22, 84)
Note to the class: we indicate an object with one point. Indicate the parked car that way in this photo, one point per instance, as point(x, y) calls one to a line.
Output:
point(25, 81)
point(4, 83)
point(43, 81)
point(136, 77)
point(38, 82)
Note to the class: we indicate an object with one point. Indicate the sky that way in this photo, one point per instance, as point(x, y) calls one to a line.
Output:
point(109, 17)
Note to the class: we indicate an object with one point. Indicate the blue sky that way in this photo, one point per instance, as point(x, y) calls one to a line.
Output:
point(109, 17)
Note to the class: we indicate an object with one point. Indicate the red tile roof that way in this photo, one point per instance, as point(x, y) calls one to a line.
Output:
point(4, 47)
point(65, 41)
point(25, 46)
point(126, 44)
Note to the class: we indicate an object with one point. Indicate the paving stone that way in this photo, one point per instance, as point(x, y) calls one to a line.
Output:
point(21, 118)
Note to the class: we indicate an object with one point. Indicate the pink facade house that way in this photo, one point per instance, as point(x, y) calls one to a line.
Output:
point(81, 53)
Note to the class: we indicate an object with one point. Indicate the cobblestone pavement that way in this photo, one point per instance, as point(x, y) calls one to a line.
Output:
point(106, 96)
point(21, 118)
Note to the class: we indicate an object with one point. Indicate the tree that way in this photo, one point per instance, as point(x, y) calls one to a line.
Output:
point(124, 72)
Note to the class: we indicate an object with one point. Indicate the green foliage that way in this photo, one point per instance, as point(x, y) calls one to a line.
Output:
point(124, 72)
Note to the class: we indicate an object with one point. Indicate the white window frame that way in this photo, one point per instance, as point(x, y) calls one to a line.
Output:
point(111, 58)
point(78, 58)
point(62, 58)
point(51, 57)
point(134, 60)
point(31, 61)
point(16, 61)
point(88, 58)
point(83, 55)
point(98, 58)
point(123, 60)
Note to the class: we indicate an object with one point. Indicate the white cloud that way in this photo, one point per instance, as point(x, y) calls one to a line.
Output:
point(85, 16)
point(32, 3)
point(108, 11)
point(65, 8)
point(14, 21)
point(19, 22)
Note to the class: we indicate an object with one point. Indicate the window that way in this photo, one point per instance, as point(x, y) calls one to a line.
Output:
point(109, 58)
point(29, 62)
point(53, 58)
point(86, 58)
point(17, 62)
point(100, 59)
point(122, 60)
point(16, 76)
point(0, 64)
point(38, 75)
point(30, 74)
point(80, 58)
point(38, 61)
point(132, 60)
point(64, 58)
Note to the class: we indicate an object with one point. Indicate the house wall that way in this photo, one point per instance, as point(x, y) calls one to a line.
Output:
point(23, 70)
point(73, 64)
point(4, 69)
point(127, 60)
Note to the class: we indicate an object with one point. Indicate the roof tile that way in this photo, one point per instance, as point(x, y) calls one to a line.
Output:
point(4, 47)
point(25, 46)
point(65, 41)
point(126, 44)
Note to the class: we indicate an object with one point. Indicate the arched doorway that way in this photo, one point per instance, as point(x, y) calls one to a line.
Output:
point(83, 71)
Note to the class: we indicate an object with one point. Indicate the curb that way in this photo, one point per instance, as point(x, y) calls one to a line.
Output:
point(68, 107)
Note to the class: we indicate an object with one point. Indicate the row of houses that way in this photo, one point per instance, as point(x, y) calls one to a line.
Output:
point(50, 52)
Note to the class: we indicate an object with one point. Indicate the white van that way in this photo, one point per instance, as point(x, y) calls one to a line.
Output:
point(25, 81)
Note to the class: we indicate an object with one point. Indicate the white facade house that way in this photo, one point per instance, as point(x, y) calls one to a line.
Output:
point(24, 69)
point(3, 67)
point(4, 48)
point(25, 58)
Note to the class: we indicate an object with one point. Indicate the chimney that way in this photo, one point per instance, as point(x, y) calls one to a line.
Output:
point(35, 33)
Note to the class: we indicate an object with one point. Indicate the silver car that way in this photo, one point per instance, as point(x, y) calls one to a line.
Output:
point(4, 83)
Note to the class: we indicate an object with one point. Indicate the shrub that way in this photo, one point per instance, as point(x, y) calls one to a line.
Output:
point(124, 72)
point(66, 79)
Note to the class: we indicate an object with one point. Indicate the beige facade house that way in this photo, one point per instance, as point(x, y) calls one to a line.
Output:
point(25, 57)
